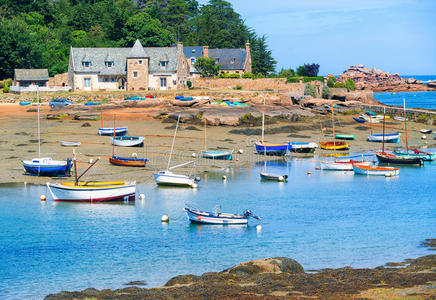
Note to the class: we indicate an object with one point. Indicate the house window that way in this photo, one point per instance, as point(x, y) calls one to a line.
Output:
point(106, 79)
point(86, 64)
point(139, 62)
point(192, 61)
point(163, 63)
point(232, 61)
point(113, 80)
point(163, 82)
point(109, 64)
point(87, 82)
point(135, 74)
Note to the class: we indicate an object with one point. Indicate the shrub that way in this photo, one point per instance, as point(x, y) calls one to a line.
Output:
point(285, 73)
point(310, 70)
point(293, 79)
point(248, 75)
point(6, 88)
point(310, 90)
point(207, 66)
point(349, 84)
point(339, 85)
point(238, 87)
point(260, 75)
point(331, 80)
point(325, 92)
point(229, 75)
point(189, 83)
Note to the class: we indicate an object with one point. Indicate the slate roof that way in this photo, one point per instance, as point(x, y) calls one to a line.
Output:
point(137, 51)
point(31, 74)
point(157, 54)
point(229, 59)
point(193, 51)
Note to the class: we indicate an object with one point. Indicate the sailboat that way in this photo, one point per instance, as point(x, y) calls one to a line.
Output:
point(405, 159)
point(215, 154)
point(329, 145)
point(125, 161)
point(345, 164)
point(118, 131)
point(46, 166)
point(269, 148)
point(92, 191)
point(167, 177)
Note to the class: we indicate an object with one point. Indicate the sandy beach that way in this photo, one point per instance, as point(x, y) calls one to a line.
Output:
point(20, 140)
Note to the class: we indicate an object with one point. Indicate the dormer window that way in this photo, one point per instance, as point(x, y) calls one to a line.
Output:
point(109, 64)
point(139, 62)
point(193, 50)
point(86, 64)
point(192, 61)
point(163, 63)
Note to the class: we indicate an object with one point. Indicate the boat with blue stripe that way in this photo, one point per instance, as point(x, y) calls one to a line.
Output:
point(218, 218)
point(272, 149)
point(119, 131)
point(45, 166)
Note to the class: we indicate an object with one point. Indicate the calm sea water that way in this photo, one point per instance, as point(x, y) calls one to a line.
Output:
point(423, 78)
point(425, 100)
point(328, 219)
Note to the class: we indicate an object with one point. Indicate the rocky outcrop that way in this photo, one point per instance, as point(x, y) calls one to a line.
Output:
point(377, 80)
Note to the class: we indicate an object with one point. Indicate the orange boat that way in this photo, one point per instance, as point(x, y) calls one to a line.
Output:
point(128, 162)
point(329, 145)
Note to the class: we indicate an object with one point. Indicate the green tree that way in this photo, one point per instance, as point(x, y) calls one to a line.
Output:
point(331, 80)
point(309, 70)
point(148, 30)
point(325, 92)
point(261, 57)
point(207, 66)
point(310, 90)
point(285, 73)
point(349, 84)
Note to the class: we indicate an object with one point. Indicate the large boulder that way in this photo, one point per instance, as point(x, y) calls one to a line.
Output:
point(268, 265)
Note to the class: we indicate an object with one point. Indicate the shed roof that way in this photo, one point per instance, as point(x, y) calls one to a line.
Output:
point(229, 59)
point(31, 74)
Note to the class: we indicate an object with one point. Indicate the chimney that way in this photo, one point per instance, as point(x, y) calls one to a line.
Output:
point(180, 47)
point(247, 47)
point(206, 51)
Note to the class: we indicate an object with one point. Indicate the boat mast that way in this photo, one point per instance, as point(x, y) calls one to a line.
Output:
point(101, 113)
point(76, 180)
point(334, 135)
point(113, 140)
point(172, 145)
point(39, 127)
point(263, 121)
point(383, 138)
point(205, 148)
point(405, 124)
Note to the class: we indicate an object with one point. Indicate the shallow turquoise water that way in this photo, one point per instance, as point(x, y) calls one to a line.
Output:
point(328, 219)
point(425, 100)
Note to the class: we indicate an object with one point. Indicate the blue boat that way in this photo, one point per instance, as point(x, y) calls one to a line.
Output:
point(217, 154)
point(218, 218)
point(47, 167)
point(178, 97)
point(186, 99)
point(387, 137)
point(134, 98)
point(272, 149)
point(92, 103)
point(24, 103)
point(358, 120)
point(119, 131)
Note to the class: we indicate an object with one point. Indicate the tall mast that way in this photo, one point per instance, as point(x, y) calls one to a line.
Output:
point(383, 139)
point(263, 121)
point(101, 113)
point(113, 140)
point(39, 129)
point(405, 124)
point(172, 145)
point(76, 180)
point(334, 135)
point(205, 148)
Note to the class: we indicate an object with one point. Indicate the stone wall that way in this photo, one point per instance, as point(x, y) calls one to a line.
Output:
point(248, 84)
point(58, 80)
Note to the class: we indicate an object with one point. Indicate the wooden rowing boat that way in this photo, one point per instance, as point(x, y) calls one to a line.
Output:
point(378, 171)
point(128, 141)
point(345, 136)
point(127, 161)
point(333, 145)
point(218, 218)
point(70, 144)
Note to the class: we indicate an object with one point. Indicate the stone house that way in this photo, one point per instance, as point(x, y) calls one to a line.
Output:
point(30, 77)
point(133, 69)
point(231, 60)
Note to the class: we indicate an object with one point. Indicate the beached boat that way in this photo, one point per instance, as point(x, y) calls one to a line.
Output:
point(401, 119)
point(93, 191)
point(108, 131)
point(345, 136)
point(217, 154)
point(23, 103)
point(359, 120)
point(127, 161)
point(70, 144)
point(370, 113)
point(135, 98)
point(91, 103)
point(369, 119)
point(387, 138)
point(218, 218)
point(330, 145)
point(380, 171)
point(264, 176)
point(302, 147)
point(381, 117)
point(341, 165)
point(426, 131)
point(128, 141)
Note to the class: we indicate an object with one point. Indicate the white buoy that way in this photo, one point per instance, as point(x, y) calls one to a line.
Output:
point(424, 137)
point(388, 175)
point(134, 155)
point(259, 227)
point(194, 186)
point(91, 160)
point(141, 196)
point(224, 177)
point(194, 154)
point(165, 219)
point(281, 178)
point(43, 198)
point(240, 151)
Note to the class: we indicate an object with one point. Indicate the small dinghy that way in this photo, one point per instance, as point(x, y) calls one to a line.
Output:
point(70, 144)
point(345, 136)
point(426, 131)
point(218, 218)
point(302, 147)
point(217, 154)
point(333, 145)
point(23, 103)
point(359, 120)
point(45, 166)
point(127, 161)
point(128, 141)
point(387, 137)
point(378, 171)
point(273, 177)
point(342, 165)
point(119, 131)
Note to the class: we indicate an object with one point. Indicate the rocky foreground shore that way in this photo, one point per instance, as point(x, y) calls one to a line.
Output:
point(284, 278)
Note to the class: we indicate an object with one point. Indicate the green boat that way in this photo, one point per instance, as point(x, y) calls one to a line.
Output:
point(345, 136)
point(370, 113)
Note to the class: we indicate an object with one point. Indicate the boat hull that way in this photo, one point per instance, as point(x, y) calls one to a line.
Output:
point(70, 144)
point(386, 158)
point(166, 178)
point(198, 217)
point(221, 155)
point(273, 177)
point(423, 156)
point(272, 149)
point(97, 193)
point(345, 136)
point(376, 171)
point(128, 141)
point(119, 131)
point(388, 138)
point(128, 162)
point(341, 166)
point(333, 145)
point(302, 147)
point(358, 120)
point(51, 169)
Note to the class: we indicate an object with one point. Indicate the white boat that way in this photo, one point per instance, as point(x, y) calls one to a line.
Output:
point(302, 147)
point(93, 191)
point(273, 177)
point(378, 171)
point(218, 218)
point(387, 137)
point(171, 179)
point(341, 165)
point(128, 141)
point(401, 119)
point(110, 131)
point(425, 131)
point(70, 144)
point(369, 119)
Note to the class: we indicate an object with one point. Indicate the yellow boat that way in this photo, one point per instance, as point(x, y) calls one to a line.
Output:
point(329, 145)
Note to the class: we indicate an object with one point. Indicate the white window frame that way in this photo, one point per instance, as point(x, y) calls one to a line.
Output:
point(135, 74)
point(163, 80)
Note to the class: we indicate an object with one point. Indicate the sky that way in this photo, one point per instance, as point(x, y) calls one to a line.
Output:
point(395, 36)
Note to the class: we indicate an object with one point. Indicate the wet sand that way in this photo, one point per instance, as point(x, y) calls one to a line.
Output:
point(19, 136)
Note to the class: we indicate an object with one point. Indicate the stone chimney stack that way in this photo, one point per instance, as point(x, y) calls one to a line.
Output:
point(247, 47)
point(206, 51)
point(180, 47)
